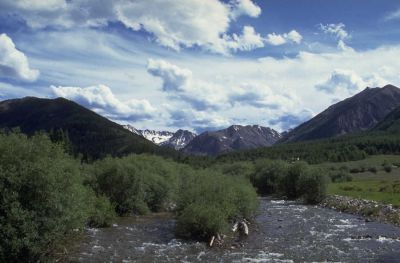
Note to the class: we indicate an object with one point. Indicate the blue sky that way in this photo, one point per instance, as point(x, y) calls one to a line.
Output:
point(198, 64)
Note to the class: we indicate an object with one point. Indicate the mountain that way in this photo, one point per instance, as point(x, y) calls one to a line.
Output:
point(176, 140)
point(157, 137)
point(89, 133)
point(180, 139)
point(236, 137)
point(391, 123)
point(132, 129)
point(355, 114)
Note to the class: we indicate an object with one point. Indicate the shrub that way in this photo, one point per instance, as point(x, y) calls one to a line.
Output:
point(289, 183)
point(42, 196)
point(209, 201)
point(373, 169)
point(355, 170)
point(387, 168)
point(312, 185)
point(268, 175)
point(136, 183)
point(340, 176)
point(240, 169)
point(102, 212)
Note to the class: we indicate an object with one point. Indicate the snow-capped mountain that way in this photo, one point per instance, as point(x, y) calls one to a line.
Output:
point(157, 137)
point(176, 140)
point(180, 139)
point(132, 129)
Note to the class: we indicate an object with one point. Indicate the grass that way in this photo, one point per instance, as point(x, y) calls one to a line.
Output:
point(380, 186)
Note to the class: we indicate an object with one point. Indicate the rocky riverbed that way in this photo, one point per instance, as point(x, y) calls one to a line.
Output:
point(282, 232)
point(371, 210)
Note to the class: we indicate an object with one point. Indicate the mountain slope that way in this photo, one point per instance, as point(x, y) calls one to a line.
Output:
point(90, 134)
point(235, 137)
point(358, 113)
point(179, 140)
point(391, 123)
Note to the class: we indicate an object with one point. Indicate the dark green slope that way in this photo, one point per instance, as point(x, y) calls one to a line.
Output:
point(391, 123)
point(90, 134)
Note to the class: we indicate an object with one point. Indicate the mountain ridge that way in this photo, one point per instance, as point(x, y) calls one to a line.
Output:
point(176, 140)
point(91, 134)
point(358, 113)
point(235, 137)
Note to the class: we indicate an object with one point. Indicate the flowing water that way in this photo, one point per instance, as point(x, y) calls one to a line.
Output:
point(283, 232)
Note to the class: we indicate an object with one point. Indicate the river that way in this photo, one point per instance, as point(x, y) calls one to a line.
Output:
point(283, 232)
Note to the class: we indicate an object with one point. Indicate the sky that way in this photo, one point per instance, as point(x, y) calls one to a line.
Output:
point(199, 64)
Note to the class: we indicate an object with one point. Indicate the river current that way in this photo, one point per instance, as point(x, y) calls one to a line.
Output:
point(283, 232)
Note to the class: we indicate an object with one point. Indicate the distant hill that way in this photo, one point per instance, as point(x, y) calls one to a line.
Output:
point(358, 113)
point(391, 123)
point(236, 137)
point(89, 133)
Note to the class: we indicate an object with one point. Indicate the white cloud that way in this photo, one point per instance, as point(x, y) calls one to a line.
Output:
point(213, 78)
point(34, 5)
point(172, 23)
point(393, 15)
point(174, 78)
point(202, 95)
point(347, 82)
point(337, 30)
point(244, 7)
point(277, 39)
point(13, 63)
point(197, 120)
point(247, 41)
point(101, 100)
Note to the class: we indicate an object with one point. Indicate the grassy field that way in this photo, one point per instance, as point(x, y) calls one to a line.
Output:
point(372, 179)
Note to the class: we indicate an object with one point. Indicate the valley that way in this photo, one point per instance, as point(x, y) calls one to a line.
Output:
point(191, 188)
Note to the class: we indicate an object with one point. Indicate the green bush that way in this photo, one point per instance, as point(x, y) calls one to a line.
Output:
point(289, 183)
point(268, 175)
point(102, 212)
point(340, 176)
point(42, 196)
point(136, 183)
point(312, 185)
point(388, 168)
point(240, 169)
point(209, 201)
point(373, 169)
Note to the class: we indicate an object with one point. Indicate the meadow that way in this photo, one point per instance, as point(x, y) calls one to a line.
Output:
point(374, 178)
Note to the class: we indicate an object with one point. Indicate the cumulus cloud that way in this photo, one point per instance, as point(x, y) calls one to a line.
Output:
point(101, 100)
point(174, 78)
point(348, 82)
point(280, 39)
point(200, 121)
point(247, 41)
point(260, 96)
point(172, 23)
point(180, 84)
point(244, 7)
point(13, 63)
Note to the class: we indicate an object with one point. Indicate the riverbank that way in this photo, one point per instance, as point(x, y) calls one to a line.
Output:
point(371, 210)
